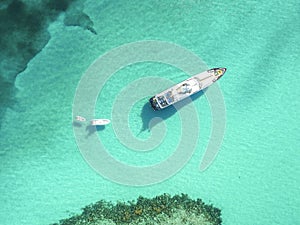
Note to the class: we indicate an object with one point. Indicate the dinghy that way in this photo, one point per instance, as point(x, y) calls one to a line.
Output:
point(80, 118)
point(100, 122)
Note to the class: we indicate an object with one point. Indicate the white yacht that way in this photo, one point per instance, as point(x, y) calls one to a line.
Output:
point(186, 88)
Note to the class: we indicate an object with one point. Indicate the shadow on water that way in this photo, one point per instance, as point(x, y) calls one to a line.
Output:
point(89, 128)
point(148, 113)
point(92, 129)
point(77, 124)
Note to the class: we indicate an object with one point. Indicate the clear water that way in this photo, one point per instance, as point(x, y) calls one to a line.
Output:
point(255, 177)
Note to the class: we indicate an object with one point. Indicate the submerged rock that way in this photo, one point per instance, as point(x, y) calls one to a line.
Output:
point(76, 17)
point(162, 209)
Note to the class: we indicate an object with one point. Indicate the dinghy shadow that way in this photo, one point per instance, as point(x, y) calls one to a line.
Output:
point(92, 129)
point(76, 124)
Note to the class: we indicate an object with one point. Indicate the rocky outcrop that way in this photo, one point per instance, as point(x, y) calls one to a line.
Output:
point(163, 209)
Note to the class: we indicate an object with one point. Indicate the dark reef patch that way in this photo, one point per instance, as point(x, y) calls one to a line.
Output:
point(162, 209)
point(58, 5)
point(6, 92)
point(23, 33)
point(76, 17)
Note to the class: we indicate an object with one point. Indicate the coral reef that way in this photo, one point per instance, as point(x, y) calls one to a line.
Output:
point(163, 209)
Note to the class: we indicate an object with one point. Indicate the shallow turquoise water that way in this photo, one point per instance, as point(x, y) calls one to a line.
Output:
point(255, 177)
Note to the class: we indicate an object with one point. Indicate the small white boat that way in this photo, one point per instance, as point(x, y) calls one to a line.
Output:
point(100, 122)
point(80, 118)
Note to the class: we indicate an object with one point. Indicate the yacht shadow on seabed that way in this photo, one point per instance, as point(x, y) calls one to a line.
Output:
point(148, 113)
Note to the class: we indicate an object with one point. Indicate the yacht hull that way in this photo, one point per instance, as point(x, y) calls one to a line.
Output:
point(186, 88)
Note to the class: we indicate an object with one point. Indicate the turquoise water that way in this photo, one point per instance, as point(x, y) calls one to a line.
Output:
point(255, 177)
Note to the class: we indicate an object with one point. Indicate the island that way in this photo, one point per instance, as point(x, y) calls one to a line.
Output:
point(162, 209)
